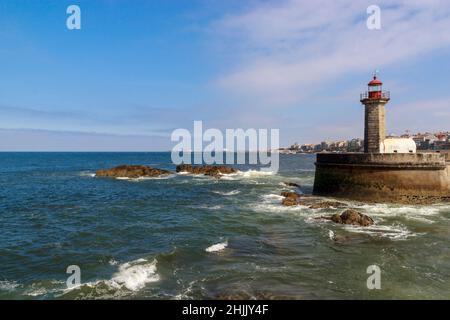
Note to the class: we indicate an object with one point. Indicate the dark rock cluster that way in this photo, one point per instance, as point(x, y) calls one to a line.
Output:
point(131, 171)
point(140, 171)
point(296, 199)
point(353, 217)
point(214, 171)
point(349, 216)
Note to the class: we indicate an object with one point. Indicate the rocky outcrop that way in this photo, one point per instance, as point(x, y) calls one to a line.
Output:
point(131, 171)
point(214, 171)
point(289, 202)
point(296, 199)
point(291, 199)
point(328, 205)
point(293, 195)
point(353, 217)
point(291, 184)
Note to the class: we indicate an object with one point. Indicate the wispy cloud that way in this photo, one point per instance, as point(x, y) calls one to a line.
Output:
point(287, 49)
point(132, 119)
point(53, 140)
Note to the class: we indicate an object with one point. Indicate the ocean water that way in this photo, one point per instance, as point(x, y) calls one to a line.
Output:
point(196, 237)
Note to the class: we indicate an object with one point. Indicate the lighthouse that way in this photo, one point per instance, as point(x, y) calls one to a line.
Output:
point(389, 170)
point(374, 100)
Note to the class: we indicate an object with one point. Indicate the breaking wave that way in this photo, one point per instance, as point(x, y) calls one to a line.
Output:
point(256, 173)
point(6, 285)
point(212, 207)
point(248, 174)
point(229, 193)
point(87, 174)
point(217, 247)
point(164, 177)
point(131, 276)
point(393, 232)
point(135, 275)
point(425, 214)
point(331, 235)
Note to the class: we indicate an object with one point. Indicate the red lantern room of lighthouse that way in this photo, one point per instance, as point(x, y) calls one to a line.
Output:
point(375, 90)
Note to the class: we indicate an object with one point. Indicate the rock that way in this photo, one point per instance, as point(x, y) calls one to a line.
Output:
point(352, 217)
point(214, 171)
point(291, 184)
point(131, 171)
point(291, 199)
point(289, 202)
point(292, 195)
point(328, 205)
point(322, 218)
point(335, 218)
point(296, 199)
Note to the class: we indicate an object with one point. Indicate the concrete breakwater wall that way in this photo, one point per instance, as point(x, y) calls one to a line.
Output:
point(397, 177)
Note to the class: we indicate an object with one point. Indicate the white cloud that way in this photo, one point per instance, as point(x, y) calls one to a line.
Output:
point(287, 49)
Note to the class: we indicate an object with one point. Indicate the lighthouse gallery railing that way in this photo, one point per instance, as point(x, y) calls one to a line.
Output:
point(375, 95)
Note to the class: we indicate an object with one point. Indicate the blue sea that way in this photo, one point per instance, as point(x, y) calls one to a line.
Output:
point(198, 237)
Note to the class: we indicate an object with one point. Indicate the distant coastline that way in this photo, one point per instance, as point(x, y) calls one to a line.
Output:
point(430, 142)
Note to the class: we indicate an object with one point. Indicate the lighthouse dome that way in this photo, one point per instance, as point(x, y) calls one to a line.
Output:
point(375, 82)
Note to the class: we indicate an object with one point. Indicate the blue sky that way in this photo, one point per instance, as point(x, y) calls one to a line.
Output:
point(139, 69)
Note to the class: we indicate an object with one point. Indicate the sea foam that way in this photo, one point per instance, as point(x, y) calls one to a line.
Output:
point(392, 232)
point(426, 214)
point(6, 285)
point(250, 174)
point(163, 177)
point(217, 247)
point(87, 174)
point(229, 193)
point(136, 274)
point(131, 276)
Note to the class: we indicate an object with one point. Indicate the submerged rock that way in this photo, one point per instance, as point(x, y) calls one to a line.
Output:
point(296, 199)
point(353, 217)
point(214, 171)
point(328, 205)
point(339, 238)
point(131, 171)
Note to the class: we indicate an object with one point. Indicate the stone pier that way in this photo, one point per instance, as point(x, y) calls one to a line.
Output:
point(415, 178)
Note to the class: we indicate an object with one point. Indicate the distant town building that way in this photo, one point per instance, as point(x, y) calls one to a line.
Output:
point(355, 145)
point(423, 142)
